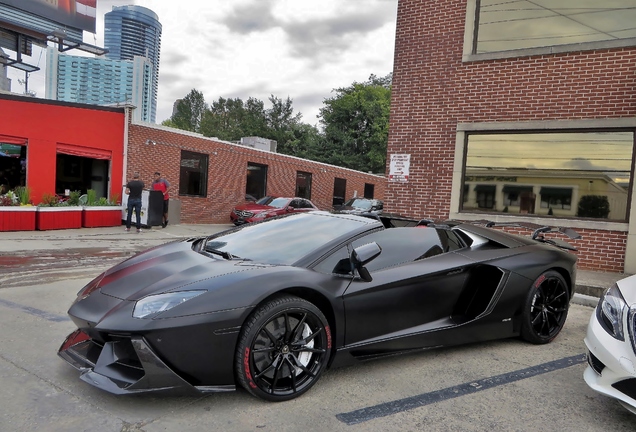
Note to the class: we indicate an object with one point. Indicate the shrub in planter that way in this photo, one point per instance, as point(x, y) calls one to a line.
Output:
point(100, 212)
point(14, 215)
point(56, 213)
point(594, 206)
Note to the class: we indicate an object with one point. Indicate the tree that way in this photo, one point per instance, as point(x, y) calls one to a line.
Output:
point(281, 124)
point(189, 112)
point(356, 125)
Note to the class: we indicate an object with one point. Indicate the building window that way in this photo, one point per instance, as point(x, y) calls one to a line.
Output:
point(556, 198)
point(529, 24)
point(303, 184)
point(339, 191)
point(548, 173)
point(256, 183)
point(485, 196)
point(369, 190)
point(193, 174)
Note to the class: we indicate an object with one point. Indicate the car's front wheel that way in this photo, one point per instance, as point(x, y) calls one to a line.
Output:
point(545, 309)
point(283, 348)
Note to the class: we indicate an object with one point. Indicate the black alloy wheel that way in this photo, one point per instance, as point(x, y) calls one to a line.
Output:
point(546, 308)
point(283, 348)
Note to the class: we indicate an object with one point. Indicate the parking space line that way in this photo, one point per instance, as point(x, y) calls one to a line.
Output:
point(33, 311)
point(397, 406)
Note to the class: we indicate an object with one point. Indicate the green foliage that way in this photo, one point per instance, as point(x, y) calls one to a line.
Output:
point(49, 200)
point(73, 198)
point(91, 197)
point(24, 195)
point(9, 199)
point(355, 123)
point(593, 206)
point(190, 111)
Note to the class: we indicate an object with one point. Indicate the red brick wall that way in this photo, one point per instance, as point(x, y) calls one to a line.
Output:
point(433, 91)
point(227, 172)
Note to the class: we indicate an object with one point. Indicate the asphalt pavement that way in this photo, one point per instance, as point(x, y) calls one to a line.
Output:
point(77, 247)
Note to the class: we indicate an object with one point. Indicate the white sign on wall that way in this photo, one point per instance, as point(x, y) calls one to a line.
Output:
point(399, 167)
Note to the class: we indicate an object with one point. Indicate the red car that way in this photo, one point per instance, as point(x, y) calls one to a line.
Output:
point(268, 207)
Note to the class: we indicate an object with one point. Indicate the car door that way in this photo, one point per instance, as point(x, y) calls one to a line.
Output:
point(415, 286)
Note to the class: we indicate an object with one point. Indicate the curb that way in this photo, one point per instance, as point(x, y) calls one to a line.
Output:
point(585, 300)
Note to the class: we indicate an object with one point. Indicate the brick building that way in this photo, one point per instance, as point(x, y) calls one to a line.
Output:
point(53, 147)
point(503, 110)
point(222, 171)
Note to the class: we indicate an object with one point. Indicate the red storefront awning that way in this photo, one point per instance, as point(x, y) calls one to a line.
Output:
point(87, 152)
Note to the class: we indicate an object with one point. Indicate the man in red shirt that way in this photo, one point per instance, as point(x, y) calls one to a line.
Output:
point(162, 185)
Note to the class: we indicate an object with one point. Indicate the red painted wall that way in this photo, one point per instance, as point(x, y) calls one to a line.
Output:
point(46, 123)
point(227, 172)
point(433, 91)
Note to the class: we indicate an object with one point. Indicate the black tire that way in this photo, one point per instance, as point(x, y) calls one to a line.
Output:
point(283, 348)
point(545, 309)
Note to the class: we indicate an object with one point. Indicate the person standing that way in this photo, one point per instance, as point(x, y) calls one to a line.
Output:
point(133, 189)
point(162, 185)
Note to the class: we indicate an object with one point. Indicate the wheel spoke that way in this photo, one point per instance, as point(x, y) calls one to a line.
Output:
point(271, 337)
point(293, 373)
point(308, 339)
point(264, 350)
point(300, 365)
point(279, 367)
point(298, 330)
point(272, 365)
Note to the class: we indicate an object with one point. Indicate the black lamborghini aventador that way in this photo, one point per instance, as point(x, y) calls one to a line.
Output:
point(269, 306)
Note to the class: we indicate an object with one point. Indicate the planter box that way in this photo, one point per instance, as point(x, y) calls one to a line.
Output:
point(17, 218)
point(51, 218)
point(101, 216)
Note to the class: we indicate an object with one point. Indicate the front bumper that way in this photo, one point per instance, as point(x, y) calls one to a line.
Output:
point(611, 365)
point(124, 365)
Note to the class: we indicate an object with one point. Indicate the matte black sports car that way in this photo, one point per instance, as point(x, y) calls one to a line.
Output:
point(271, 305)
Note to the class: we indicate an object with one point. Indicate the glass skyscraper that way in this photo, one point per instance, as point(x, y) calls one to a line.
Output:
point(100, 81)
point(131, 31)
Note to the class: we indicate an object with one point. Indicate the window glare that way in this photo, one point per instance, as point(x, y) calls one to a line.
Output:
point(521, 24)
point(555, 174)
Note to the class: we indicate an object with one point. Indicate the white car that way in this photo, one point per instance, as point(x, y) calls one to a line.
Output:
point(611, 344)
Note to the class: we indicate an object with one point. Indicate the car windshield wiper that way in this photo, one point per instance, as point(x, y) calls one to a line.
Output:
point(224, 254)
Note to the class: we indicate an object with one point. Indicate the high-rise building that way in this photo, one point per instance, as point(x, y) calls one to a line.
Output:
point(131, 31)
point(100, 81)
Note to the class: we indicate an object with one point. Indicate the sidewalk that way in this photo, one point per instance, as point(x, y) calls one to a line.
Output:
point(590, 285)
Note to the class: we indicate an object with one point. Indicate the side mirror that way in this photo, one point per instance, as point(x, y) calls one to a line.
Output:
point(363, 255)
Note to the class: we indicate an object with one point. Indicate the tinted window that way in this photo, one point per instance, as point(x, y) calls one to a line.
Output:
point(402, 245)
point(284, 240)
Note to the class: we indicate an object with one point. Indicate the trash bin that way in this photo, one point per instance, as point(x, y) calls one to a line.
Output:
point(151, 208)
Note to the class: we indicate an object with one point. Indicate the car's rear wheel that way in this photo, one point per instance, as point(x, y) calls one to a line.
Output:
point(546, 308)
point(283, 348)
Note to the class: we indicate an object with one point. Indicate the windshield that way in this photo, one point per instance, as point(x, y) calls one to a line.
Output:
point(283, 240)
point(279, 202)
point(265, 200)
point(359, 203)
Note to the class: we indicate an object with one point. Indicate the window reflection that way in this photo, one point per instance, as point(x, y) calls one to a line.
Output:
point(556, 174)
point(509, 25)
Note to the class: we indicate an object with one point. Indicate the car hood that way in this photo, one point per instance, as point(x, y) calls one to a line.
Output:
point(627, 287)
point(171, 267)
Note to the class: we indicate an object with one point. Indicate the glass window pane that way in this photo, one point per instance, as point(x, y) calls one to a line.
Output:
point(571, 174)
point(510, 25)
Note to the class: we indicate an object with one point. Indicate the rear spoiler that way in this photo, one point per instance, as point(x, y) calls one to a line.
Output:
point(538, 232)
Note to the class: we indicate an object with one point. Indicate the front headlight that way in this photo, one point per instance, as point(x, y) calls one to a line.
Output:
point(610, 312)
point(156, 304)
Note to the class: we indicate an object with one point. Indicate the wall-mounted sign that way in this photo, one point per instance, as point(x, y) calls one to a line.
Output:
point(399, 167)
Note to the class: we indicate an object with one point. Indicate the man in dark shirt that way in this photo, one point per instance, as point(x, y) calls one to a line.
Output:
point(133, 189)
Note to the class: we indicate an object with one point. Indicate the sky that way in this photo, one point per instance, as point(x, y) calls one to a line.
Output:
point(301, 49)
